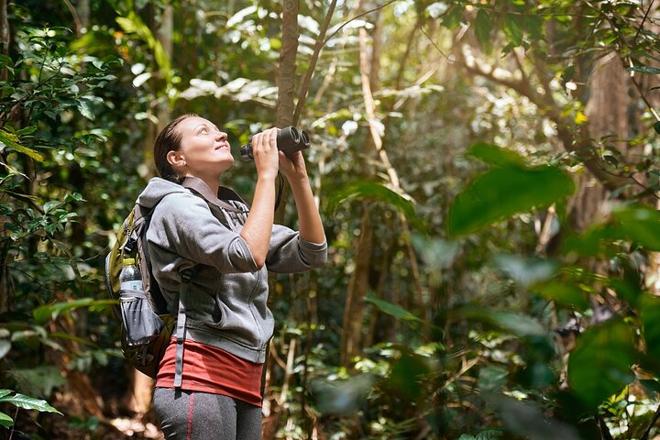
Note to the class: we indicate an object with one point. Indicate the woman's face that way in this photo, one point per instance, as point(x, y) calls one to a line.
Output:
point(204, 148)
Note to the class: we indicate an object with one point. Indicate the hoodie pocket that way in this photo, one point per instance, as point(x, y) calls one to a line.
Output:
point(232, 312)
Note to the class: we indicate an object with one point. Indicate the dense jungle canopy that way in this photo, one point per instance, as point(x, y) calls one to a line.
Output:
point(487, 174)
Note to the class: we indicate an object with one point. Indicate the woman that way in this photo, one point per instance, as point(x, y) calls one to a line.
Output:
point(211, 388)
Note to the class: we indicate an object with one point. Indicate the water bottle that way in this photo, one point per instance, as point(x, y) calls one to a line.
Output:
point(129, 277)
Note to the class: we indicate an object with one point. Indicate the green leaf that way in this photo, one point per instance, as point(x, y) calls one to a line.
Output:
point(525, 270)
point(11, 141)
point(5, 420)
point(510, 322)
point(85, 109)
point(600, 364)
point(5, 392)
point(27, 402)
point(452, 18)
point(492, 377)
point(364, 189)
point(391, 309)
point(406, 375)
point(512, 30)
point(656, 127)
point(563, 293)
point(48, 312)
point(650, 318)
point(644, 69)
point(39, 381)
point(640, 224)
point(342, 397)
point(494, 155)
point(503, 192)
point(529, 420)
point(483, 27)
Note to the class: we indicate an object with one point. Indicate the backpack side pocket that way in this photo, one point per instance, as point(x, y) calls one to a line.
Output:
point(142, 325)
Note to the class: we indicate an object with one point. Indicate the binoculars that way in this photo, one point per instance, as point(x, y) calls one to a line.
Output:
point(289, 140)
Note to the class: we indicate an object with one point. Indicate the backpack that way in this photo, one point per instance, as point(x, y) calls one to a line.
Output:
point(146, 324)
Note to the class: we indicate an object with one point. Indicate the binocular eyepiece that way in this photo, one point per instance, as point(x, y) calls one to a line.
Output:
point(289, 140)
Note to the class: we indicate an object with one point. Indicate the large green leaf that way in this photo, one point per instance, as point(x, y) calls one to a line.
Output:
point(365, 189)
point(639, 224)
point(563, 293)
point(503, 192)
point(391, 309)
point(525, 270)
point(494, 155)
point(636, 223)
point(510, 322)
point(600, 364)
point(27, 402)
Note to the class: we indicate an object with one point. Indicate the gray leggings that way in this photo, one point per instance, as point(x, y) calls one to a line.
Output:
point(193, 415)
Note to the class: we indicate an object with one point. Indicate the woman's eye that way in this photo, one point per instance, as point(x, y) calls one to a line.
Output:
point(204, 131)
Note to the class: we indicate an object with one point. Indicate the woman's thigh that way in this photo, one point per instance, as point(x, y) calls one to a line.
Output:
point(248, 421)
point(193, 415)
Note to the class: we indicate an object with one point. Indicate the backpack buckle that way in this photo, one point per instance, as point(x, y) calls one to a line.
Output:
point(186, 275)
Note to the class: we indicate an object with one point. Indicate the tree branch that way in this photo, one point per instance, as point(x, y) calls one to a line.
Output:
point(578, 143)
point(355, 18)
point(304, 87)
point(641, 25)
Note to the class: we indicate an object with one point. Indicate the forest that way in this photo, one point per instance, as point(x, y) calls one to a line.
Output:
point(487, 175)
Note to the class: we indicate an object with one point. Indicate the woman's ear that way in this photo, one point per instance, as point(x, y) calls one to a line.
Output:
point(176, 159)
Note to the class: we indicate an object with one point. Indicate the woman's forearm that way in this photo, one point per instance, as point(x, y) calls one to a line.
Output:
point(259, 223)
point(309, 220)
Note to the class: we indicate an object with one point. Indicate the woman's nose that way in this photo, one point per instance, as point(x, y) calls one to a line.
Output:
point(221, 135)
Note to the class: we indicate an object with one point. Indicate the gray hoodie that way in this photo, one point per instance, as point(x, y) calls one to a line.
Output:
point(226, 303)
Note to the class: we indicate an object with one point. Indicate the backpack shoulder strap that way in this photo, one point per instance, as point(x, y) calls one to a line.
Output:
point(186, 277)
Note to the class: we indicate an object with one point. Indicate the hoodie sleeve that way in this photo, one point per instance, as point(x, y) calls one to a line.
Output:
point(184, 224)
point(290, 253)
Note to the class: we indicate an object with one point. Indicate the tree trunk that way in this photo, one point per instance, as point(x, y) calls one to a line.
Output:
point(5, 281)
point(351, 334)
point(4, 35)
point(286, 82)
point(286, 75)
point(607, 111)
point(83, 13)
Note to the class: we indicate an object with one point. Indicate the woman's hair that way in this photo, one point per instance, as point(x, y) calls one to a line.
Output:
point(169, 139)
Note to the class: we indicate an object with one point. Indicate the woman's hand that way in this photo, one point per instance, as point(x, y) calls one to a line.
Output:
point(294, 169)
point(264, 151)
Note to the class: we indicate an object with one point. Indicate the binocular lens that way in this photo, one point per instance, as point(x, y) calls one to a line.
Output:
point(289, 140)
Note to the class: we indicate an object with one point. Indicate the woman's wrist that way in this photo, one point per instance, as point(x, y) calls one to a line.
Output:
point(300, 180)
point(266, 177)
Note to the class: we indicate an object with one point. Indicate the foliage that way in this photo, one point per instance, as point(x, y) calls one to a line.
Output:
point(489, 313)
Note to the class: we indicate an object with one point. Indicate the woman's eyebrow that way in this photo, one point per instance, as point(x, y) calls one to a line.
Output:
point(204, 124)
